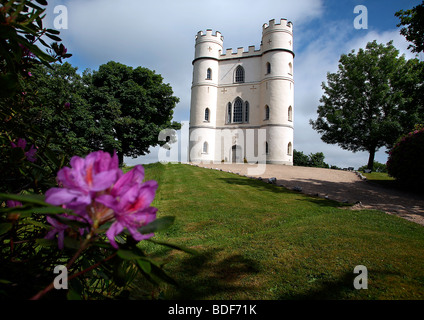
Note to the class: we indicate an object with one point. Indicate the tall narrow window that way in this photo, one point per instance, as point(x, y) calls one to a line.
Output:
point(268, 68)
point(266, 113)
point(238, 111)
point(207, 114)
point(229, 112)
point(205, 147)
point(239, 76)
point(266, 148)
point(290, 115)
point(290, 68)
point(289, 149)
point(209, 74)
point(246, 112)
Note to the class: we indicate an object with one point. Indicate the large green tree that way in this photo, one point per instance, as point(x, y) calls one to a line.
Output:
point(412, 21)
point(61, 110)
point(365, 105)
point(130, 106)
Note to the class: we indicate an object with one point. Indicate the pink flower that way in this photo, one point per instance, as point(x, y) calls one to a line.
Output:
point(97, 190)
point(58, 228)
point(80, 183)
point(13, 203)
point(30, 154)
point(130, 199)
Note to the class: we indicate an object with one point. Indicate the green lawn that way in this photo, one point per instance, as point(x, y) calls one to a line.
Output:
point(260, 241)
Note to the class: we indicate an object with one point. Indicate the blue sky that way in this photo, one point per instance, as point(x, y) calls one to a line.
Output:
point(160, 35)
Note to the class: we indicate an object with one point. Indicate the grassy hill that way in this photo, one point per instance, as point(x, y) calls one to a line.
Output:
point(260, 241)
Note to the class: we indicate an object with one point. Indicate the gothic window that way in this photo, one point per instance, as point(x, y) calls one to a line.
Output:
point(266, 113)
point(238, 111)
point(205, 147)
point(229, 112)
point(207, 114)
point(239, 76)
point(290, 113)
point(209, 74)
point(268, 68)
point(289, 149)
point(246, 112)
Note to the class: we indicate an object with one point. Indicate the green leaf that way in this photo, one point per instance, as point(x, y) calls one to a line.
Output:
point(71, 243)
point(73, 295)
point(69, 222)
point(128, 255)
point(5, 281)
point(46, 242)
point(53, 37)
point(157, 225)
point(5, 227)
point(42, 2)
point(27, 198)
point(144, 265)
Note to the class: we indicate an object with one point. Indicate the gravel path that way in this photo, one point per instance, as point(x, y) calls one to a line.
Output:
point(339, 185)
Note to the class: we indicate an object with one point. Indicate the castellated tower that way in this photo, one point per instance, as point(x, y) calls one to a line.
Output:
point(242, 103)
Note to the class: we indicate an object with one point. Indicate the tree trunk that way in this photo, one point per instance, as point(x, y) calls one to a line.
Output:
point(370, 165)
point(120, 158)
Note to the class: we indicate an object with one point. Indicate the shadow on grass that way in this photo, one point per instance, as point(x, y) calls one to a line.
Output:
point(207, 275)
point(265, 186)
point(340, 289)
point(258, 184)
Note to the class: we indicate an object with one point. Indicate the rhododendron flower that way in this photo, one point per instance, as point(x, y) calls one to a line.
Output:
point(58, 228)
point(130, 200)
point(30, 154)
point(98, 192)
point(97, 172)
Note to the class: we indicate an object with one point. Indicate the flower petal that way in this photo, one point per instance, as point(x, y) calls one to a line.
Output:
point(115, 229)
point(58, 196)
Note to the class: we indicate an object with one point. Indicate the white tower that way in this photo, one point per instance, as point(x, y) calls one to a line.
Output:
point(238, 92)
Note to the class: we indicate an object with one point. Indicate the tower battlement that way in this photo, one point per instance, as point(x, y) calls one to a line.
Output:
point(284, 25)
point(229, 54)
point(209, 35)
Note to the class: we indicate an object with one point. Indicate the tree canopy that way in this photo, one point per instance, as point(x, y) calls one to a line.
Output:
point(413, 30)
point(115, 108)
point(130, 107)
point(369, 102)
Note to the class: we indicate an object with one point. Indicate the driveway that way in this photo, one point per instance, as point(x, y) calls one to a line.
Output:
point(338, 185)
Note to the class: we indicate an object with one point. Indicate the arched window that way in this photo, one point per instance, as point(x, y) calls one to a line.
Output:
point(290, 113)
point(290, 68)
point(239, 76)
point(238, 111)
point(268, 68)
point(266, 113)
point(205, 147)
point(266, 148)
point(229, 112)
point(289, 149)
point(207, 114)
point(209, 74)
point(246, 112)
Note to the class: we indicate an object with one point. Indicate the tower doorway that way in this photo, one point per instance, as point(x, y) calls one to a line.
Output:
point(236, 154)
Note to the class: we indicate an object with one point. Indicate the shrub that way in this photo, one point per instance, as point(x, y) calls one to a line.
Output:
point(406, 159)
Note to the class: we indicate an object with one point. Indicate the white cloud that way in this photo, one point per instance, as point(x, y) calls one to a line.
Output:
point(160, 35)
